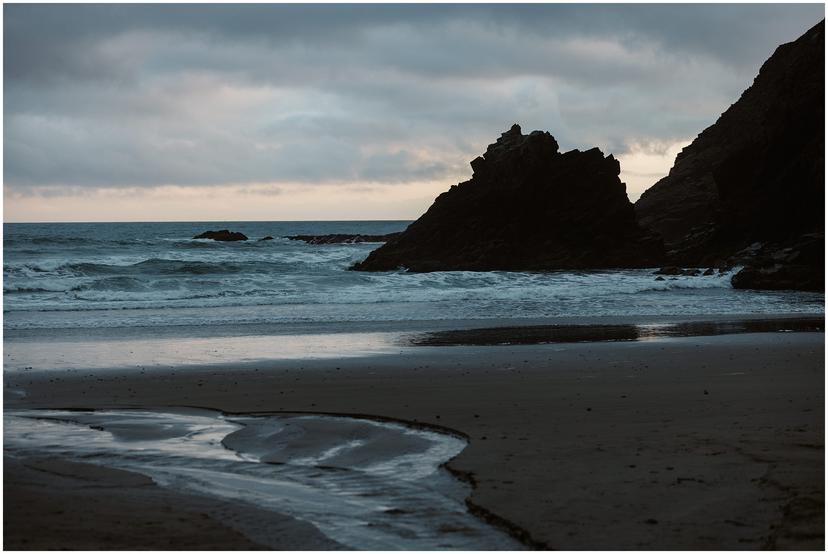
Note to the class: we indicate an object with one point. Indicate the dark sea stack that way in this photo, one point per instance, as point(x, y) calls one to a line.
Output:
point(224, 235)
point(341, 238)
point(527, 207)
point(757, 175)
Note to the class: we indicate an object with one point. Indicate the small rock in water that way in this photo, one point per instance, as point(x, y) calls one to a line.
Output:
point(223, 235)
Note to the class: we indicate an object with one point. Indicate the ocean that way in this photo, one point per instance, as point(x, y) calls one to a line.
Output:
point(143, 280)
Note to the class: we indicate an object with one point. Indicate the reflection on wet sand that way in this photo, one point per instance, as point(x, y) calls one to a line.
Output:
point(541, 334)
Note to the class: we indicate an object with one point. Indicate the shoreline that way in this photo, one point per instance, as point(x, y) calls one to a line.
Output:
point(191, 348)
point(566, 438)
point(377, 326)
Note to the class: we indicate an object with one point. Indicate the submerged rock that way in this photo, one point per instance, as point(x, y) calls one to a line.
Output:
point(343, 238)
point(268, 237)
point(526, 207)
point(223, 235)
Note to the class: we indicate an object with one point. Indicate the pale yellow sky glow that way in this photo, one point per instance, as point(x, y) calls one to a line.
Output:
point(640, 168)
point(253, 202)
point(646, 163)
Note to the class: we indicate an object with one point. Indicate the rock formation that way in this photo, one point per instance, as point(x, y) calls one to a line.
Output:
point(224, 235)
point(757, 174)
point(340, 238)
point(526, 207)
point(795, 264)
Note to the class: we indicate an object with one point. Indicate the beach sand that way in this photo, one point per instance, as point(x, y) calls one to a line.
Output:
point(690, 443)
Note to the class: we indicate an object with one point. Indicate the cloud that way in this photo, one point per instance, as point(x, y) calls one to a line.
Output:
point(125, 96)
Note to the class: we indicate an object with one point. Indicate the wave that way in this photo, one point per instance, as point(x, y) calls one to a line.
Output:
point(159, 280)
point(63, 240)
point(152, 266)
point(120, 283)
point(294, 282)
point(70, 241)
point(212, 244)
point(20, 290)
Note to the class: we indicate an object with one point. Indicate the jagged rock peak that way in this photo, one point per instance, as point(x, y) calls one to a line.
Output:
point(513, 131)
point(513, 143)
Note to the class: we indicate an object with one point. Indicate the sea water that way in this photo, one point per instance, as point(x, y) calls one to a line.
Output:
point(153, 282)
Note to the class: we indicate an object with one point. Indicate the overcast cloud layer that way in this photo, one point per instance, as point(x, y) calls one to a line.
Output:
point(109, 96)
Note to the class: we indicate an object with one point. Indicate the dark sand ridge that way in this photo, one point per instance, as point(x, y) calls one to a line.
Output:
point(705, 442)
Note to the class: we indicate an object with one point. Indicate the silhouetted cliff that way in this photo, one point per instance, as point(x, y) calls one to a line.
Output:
point(526, 207)
point(755, 177)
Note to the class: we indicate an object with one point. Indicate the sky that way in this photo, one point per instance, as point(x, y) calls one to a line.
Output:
point(194, 112)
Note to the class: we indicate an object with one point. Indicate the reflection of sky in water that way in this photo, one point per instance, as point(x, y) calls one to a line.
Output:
point(384, 491)
point(138, 353)
point(653, 331)
point(547, 334)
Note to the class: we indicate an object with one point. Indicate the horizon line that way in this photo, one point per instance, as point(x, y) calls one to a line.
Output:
point(210, 221)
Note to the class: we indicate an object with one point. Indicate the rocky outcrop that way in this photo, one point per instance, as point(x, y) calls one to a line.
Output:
point(779, 277)
point(798, 264)
point(526, 207)
point(343, 238)
point(757, 174)
point(223, 235)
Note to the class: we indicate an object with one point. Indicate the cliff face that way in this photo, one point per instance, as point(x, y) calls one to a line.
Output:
point(757, 174)
point(527, 207)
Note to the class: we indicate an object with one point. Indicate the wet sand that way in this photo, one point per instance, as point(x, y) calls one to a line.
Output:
point(546, 334)
point(690, 443)
point(56, 504)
